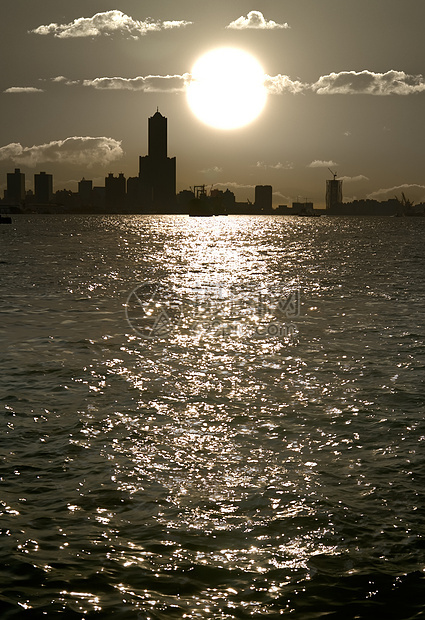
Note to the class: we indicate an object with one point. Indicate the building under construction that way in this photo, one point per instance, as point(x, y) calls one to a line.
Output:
point(333, 192)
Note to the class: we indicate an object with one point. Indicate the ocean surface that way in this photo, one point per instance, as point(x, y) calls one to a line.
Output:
point(217, 418)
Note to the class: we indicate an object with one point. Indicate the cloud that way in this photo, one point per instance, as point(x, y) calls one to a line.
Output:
point(287, 199)
point(359, 177)
point(369, 83)
point(255, 19)
point(76, 150)
point(175, 23)
point(61, 79)
point(214, 170)
point(234, 185)
point(174, 83)
point(345, 82)
point(413, 191)
point(148, 84)
point(318, 163)
point(350, 83)
point(279, 84)
point(107, 23)
point(23, 89)
point(279, 166)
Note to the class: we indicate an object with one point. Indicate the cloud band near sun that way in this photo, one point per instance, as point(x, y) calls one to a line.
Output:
point(75, 150)
point(255, 20)
point(342, 83)
point(148, 84)
point(351, 83)
point(107, 23)
point(369, 83)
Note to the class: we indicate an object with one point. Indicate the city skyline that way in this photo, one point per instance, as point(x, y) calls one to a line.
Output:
point(344, 82)
point(154, 191)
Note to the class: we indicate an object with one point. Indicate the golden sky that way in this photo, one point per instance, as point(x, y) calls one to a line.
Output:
point(343, 77)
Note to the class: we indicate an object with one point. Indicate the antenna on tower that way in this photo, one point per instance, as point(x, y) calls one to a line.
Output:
point(334, 173)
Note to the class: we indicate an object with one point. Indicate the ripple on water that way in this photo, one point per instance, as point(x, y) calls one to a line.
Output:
point(212, 471)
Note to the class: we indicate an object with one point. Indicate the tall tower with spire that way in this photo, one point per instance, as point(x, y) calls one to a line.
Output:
point(157, 171)
point(157, 136)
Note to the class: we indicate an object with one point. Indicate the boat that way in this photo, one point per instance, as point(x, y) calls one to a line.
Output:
point(308, 214)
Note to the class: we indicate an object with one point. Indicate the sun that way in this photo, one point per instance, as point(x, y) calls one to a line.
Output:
point(226, 89)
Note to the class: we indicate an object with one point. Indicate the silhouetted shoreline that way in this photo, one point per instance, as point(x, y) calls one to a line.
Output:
point(153, 191)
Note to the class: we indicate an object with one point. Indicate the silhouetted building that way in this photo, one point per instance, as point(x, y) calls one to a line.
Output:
point(85, 187)
point(333, 193)
point(66, 198)
point(15, 193)
point(157, 136)
point(157, 172)
point(283, 210)
point(184, 199)
point(133, 192)
point(224, 202)
point(367, 207)
point(98, 197)
point(43, 188)
point(115, 193)
point(302, 208)
point(264, 198)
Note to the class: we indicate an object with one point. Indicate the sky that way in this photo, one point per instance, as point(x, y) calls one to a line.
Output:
point(344, 80)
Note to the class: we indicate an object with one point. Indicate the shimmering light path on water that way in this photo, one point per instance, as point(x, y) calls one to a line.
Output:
point(218, 468)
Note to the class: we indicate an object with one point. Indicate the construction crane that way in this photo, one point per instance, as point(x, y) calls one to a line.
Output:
point(334, 173)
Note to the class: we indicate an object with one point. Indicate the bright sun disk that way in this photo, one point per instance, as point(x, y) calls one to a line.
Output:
point(227, 89)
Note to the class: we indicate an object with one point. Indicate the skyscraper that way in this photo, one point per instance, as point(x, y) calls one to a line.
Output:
point(333, 193)
point(157, 136)
point(157, 172)
point(15, 193)
point(85, 187)
point(43, 187)
point(115, 191)
point(264, 198)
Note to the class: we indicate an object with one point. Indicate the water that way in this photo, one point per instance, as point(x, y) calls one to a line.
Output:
point(237, 458)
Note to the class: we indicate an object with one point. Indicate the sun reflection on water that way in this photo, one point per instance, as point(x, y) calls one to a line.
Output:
point(208, 471)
